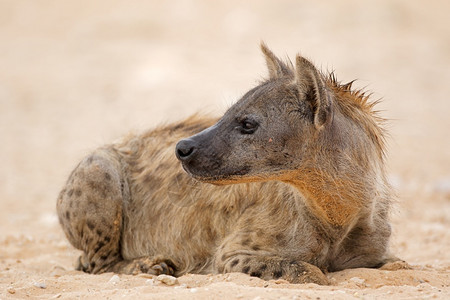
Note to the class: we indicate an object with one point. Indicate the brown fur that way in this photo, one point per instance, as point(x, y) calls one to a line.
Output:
point(298, 188)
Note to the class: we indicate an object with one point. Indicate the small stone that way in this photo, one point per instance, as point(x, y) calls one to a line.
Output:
point(40, 284)
point(114, 279)
point(57, 271)
point(193, 290)
point(167, 279)
point(150, 282)
point(11, 290)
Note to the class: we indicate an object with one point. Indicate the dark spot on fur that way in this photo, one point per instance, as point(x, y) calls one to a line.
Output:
point(107, 176)
point(99, 246)
point(263, 267)
point(275, 211)
point(246, 269)
point(277, 274)
point(107, 239)
point(234, 262)
point(67, 215)
point(70, 193)
point(210, 233)
point(256, 247)
point(246, 242)
point(255, 274)
point(78, 192)
point(281, 239)
point(93, 204)
point(293, 262)
point(225, 211)
point(99, 232)
point(90, 225)
point(71, 234)
point(93, 185)
point(93, 265)
point(223, 257)
point(103, 257)
point(247, 260)
point(90, 160)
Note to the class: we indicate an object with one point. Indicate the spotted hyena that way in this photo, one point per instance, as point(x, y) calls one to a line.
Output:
point(290, 183)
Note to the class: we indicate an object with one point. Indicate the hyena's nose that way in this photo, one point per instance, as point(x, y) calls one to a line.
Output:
point(185, 149)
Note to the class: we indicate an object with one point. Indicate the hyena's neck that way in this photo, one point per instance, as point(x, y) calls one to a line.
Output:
point(335, 200)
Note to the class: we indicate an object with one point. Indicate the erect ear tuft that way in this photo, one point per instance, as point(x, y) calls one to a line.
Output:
point(311, 84)
point(277, 68)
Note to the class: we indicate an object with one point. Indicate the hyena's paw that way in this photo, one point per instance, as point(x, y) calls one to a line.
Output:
point(268, 268)
point(148, 265)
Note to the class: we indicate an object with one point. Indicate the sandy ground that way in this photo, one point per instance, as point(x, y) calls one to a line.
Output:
point(77, 74)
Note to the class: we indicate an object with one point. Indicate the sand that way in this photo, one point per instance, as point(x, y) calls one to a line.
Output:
point(77, 74)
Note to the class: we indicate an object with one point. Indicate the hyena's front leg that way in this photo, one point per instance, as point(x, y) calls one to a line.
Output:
point(234, 256)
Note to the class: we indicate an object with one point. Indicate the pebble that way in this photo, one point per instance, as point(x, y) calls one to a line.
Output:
point(58, 271)
point(114, 279)
point(167, 279)
point(11, 290)
point(40, 284)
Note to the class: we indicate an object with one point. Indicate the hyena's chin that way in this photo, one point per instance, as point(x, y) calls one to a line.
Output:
point(219, 177)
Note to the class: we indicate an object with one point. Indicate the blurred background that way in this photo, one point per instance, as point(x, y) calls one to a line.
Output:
point(77, 74)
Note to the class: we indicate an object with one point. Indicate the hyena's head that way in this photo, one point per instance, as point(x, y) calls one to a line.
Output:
point(275, 129)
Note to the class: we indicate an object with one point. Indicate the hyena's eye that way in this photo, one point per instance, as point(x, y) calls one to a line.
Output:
point(248, 126)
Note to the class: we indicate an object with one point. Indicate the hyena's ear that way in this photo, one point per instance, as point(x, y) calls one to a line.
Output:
point(312, 85)
point(277, 68)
